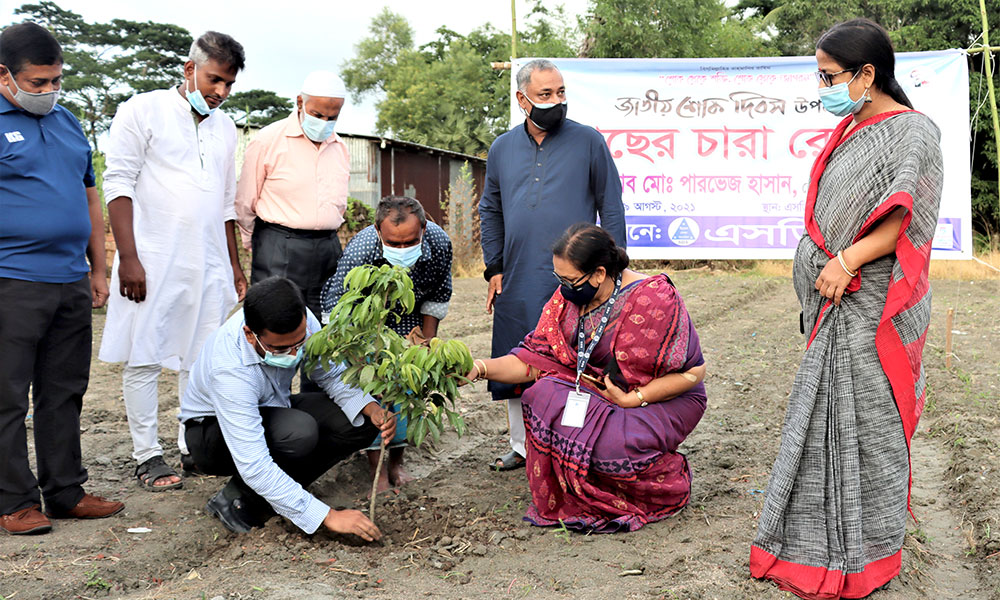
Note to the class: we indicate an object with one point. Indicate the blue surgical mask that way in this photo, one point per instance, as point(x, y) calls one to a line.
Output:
point(403, 257)
point(195, 98)
point(837, 99)
point(281, 360)
point(315, 128)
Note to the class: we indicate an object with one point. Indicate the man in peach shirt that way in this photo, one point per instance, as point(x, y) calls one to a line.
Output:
point(292, 193)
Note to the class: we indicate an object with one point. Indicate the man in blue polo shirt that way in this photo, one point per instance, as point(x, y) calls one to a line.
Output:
point(51, 223)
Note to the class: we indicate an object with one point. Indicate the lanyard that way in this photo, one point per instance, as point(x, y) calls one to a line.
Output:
point(583, 353)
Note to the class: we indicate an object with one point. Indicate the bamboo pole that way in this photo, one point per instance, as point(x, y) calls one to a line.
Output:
point(513, 30)
point(979, 49)
point(988, 71)
point(948, 324)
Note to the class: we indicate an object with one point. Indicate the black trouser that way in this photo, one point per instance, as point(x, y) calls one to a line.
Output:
point(45, 336)
point(305, 441)
point(308, 258)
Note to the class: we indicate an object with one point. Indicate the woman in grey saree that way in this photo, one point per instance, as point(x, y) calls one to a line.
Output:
point(834, 516)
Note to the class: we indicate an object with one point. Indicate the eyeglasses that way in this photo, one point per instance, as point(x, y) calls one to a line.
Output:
point(572, 284)
point(293, 349)
point(827, 78)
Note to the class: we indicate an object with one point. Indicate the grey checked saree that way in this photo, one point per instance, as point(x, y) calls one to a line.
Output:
point(833, 519)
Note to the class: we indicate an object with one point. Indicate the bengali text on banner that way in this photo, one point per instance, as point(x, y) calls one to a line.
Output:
point(714, 154)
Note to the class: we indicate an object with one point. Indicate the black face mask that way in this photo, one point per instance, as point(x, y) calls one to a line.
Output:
point(548, 119)
point(580, 295)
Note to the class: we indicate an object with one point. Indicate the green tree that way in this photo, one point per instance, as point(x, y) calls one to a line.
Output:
point(376, 56)
point(912, 24)
point(445, 93)
point(105, 63)
point(257, 108)
point(666, 29)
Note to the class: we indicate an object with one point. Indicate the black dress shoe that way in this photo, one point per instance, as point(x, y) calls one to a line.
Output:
point(189, 466)
point(233, 514)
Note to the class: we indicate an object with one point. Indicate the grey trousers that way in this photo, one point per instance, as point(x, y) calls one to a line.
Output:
point(46, 340)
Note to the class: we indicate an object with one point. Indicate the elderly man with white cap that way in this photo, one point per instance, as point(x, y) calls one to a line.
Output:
point(292, 192)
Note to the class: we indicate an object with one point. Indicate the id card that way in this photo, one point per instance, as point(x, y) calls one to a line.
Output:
point(576, 409)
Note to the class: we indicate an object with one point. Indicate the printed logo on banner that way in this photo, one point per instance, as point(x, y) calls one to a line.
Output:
point(683, 231)
point(946, 236)
point(920, 77)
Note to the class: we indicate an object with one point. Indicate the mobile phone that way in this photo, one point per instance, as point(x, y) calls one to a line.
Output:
point(593, 381)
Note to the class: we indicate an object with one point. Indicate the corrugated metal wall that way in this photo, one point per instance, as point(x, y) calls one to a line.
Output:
point(425, 175)
point(409, 172)
point(364, 181)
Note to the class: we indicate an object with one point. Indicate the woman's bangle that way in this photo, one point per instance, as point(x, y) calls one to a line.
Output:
point(480, 373)
point(638, 394)
point(843, 265)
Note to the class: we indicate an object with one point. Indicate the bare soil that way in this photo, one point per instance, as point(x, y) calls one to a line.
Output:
point(457, 532)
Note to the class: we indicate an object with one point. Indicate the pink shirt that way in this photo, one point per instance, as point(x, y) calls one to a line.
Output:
point(288, 180)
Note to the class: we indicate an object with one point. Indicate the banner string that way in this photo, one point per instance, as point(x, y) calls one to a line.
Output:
point(983, 262)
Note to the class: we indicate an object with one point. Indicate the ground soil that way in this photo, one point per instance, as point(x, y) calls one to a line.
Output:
point(457, 532)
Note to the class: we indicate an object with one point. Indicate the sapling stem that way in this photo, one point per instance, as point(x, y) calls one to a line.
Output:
point(378, 473)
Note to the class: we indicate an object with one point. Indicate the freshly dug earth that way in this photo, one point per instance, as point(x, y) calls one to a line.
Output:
point(457, 532)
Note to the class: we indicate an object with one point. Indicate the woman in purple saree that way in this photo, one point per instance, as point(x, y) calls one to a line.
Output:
point(633, 386)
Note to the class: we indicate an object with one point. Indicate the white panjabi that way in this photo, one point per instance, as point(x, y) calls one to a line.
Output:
point(181, 177)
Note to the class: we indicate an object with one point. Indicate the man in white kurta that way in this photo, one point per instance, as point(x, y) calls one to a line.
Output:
point(170, 184)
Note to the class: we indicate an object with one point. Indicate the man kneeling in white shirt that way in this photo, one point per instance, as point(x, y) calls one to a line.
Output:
point(242, 419)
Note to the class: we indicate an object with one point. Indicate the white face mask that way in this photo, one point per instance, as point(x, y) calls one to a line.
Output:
point(39, 104)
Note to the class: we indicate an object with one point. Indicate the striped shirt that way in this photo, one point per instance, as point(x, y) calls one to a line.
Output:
point(230, 381)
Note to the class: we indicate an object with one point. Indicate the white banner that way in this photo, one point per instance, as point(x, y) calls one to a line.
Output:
point(714, 154)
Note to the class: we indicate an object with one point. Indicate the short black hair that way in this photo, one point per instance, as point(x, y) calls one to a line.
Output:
point(399, 208)
point(219, 47)
point(275, 305)
point(586, 246)
point(28, 43)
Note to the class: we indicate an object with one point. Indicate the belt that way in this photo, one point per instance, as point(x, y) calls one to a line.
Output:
point(299, 233)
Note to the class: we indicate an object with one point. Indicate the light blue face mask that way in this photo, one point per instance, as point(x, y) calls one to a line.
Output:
point(195, 98)
point(282, 360)
point(837, 99)
point(403, 257)
point(315, 128)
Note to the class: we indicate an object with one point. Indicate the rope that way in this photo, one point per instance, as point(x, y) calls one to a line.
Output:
point(983, 262)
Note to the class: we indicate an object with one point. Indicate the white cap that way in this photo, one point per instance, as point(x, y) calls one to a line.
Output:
point(325, 84)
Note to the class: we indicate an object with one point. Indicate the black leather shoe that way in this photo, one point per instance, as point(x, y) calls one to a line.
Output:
point(189, 466)
point(233, 514)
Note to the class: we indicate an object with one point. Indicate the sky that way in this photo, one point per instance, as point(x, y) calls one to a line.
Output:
point(283, 42)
